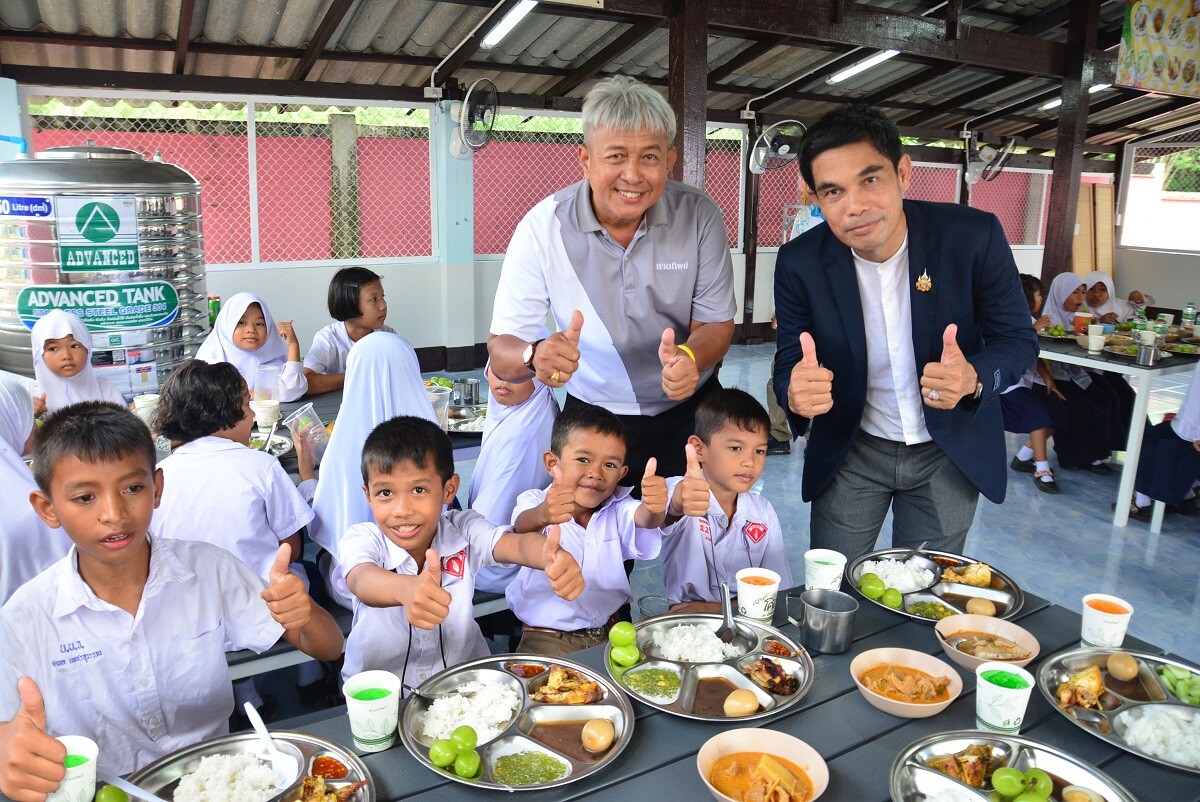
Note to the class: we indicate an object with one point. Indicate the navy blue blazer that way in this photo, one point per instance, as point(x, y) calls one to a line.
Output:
point(975, 284)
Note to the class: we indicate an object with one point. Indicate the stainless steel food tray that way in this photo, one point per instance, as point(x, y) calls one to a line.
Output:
point(914, 781)
point(756, 637)
point(515, 738)
point(1121, 703)
point(1003, 591)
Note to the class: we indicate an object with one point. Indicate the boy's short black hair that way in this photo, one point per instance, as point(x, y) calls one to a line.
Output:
point(408, 439)
point(1030, 284)
point(849, 125)
point(200, 399)
point(93, 431)
point(577, 417)
point(343, 291)
point(730, 405)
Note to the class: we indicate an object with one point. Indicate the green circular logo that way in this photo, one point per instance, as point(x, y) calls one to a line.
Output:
point(97, 222)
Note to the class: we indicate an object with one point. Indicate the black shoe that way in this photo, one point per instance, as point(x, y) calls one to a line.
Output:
point(1136, 513)
point(1023, 465)
point(1046, 487)
point(1100, 469)
point(1189, 507)
point(777, 446)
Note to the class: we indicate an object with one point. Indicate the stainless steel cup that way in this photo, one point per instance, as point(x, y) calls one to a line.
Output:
point(827, 625)
point(466, 392)
point(1147, 355)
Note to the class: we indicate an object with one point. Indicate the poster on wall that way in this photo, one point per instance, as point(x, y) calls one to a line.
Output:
point(1160, 47)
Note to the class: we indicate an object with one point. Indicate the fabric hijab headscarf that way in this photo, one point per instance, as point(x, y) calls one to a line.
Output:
point(61, 390)
point(219, 345)
point(1060, 290)
point(27, 545)
point(383, 381)
point(1123, 309)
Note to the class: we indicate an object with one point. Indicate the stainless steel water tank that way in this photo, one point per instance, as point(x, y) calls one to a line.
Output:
point(112, 237)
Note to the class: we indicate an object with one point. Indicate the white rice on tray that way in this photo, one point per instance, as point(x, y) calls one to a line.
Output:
point(693, 643)
point(901, 576)
point(1163, 734)
point(952, 795)
point(489, 709)
point(227, 778)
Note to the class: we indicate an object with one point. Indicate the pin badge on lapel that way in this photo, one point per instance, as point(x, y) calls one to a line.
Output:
point(924, 282)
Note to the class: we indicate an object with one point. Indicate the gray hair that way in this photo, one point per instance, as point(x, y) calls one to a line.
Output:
point(621, 103)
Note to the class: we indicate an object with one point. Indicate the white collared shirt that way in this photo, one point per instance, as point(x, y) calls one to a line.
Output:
point(610, 538)
point(221, 492)
point(331, 348)
point(894, 409)
point(698, 554)
point(144, 685)
point(381, 637)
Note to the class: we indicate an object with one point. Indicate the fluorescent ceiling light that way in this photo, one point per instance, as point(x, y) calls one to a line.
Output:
point(508, 23)
point(1058, 101)
point(862, 66)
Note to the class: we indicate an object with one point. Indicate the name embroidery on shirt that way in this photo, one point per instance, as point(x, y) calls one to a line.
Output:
point(455, 564)
point(755, 531)
point(671, 265)
point(78, 654)
point(705, 530)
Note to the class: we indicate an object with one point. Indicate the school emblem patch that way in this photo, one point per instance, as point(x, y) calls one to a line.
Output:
point(455, 564)
point(755, 531)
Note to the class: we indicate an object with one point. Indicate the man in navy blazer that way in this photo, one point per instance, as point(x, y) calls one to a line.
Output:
point(900, 324)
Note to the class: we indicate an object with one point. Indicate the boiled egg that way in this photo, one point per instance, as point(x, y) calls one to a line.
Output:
point(598, 735)
point(1077, 793)
point(1122, 666)
point(741, 702)
point(981, 607)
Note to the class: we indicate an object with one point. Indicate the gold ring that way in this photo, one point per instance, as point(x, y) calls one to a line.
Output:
point(554, 376)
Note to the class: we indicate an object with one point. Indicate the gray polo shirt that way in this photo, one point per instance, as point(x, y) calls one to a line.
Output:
point(676, 270)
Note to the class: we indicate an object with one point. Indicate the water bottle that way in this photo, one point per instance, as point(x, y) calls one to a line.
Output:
point(1140, 323)
point(1189, 315)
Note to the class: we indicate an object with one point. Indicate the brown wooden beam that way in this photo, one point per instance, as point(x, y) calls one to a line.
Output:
point(183, 35)
point(1008, 108)
point(609, 53)
point(687, 88)
point(1117, 96)
point(754, 51)
point(951, 103)
point(954, 10)
point(1082, 27)
point(470, 46)
point(329, 23)
point(1143, 117)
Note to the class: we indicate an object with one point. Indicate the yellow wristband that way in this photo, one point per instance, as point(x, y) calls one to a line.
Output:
point(687, 351)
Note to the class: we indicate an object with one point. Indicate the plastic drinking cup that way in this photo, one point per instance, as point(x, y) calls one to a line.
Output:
point(1096, 341)
point(1103, 625)
point(823, 569)
point(756, 592)
point(439, 399)
point(999, 705)
point(373, 721)
point(651, 606)
point(80, 783)
point(306, 423)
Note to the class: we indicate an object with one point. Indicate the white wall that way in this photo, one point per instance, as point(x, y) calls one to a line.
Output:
point(1172, 278)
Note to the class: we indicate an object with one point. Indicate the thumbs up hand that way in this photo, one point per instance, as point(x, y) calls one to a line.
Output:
point(680, 373)
point(429, 603)
point(566, 578)
point(810, 388)
point(654, 489)
point(556, 358)
point(560, 498)
point(287, 599)
point(945, 382)
point(691, 496)
point(31, 762)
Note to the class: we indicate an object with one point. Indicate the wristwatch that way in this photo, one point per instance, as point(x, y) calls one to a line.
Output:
point(527, 354)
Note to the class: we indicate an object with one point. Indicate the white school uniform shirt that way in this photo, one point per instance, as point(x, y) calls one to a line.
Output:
point(140, 686)
point(698, 554)
point(218, 346)
point(221, 492)
point(331, 348)
point(382, 638)
point(610, 538)
point(27, 545)
point(1030, 377)
point(894, 409)
point(1186, 424)
point(61, 391)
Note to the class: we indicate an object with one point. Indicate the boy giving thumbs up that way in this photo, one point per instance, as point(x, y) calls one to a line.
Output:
point(412, 571)
point(600, 524)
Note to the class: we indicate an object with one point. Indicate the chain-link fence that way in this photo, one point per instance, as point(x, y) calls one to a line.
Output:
point(934, 182)
point(723, 177)
point(1162, 195)
point(208, 139)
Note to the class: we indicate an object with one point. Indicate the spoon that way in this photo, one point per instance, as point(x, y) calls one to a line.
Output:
point(1093, 717)
point(912, 552)
point(266, 446)
point(127, 787)
point(726, 633)
point(415, 692)
point(285, 765)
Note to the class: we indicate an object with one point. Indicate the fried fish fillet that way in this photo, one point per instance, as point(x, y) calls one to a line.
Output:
point(976, 574)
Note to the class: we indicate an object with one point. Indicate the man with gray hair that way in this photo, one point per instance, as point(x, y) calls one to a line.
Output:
point(637, 273)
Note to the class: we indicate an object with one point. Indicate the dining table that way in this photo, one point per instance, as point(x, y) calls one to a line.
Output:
point(858, 742)
point(1068, 350)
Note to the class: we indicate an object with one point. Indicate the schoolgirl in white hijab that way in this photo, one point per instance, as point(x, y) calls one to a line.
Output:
point(515, 436)
point(27, 545)
point(1102, 299)
point(383, 380)
point(246, 336)
point(62, 363)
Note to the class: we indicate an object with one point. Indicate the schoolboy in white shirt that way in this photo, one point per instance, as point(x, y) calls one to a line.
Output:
point(601, 526)
point(412, 571)
point(724, 527)
point(123, 640)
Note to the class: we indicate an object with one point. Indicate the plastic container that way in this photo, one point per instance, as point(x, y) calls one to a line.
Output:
point(306, 423)
point(1189, 315)
point(439, 399)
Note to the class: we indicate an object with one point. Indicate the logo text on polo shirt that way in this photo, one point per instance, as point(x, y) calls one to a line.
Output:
point(78, 653)
point(671, 265)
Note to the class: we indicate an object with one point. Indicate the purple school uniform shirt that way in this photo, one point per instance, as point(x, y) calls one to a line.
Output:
point(699, 554)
